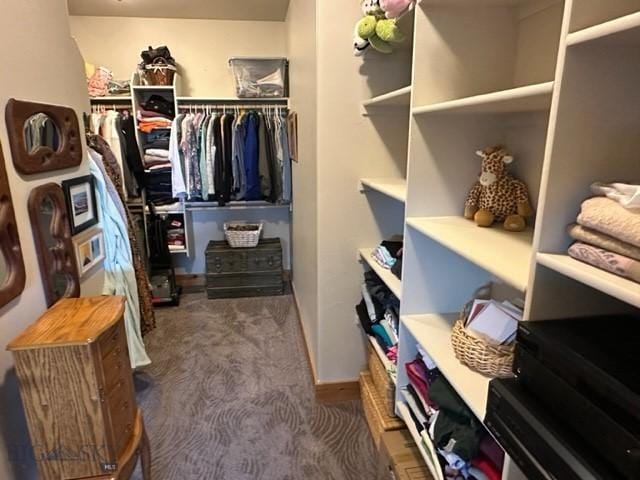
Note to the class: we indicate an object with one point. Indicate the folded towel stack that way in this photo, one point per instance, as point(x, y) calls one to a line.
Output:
point(608, 230)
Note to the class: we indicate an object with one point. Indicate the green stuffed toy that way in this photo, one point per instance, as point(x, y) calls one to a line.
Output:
point(375, 30)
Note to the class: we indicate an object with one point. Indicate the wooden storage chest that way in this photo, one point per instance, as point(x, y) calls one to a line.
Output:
point(244, 272)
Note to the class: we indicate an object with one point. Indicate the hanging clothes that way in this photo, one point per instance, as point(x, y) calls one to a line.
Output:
point(147, 314)
point(117, 129)
point(120, 277)
point(231, 155)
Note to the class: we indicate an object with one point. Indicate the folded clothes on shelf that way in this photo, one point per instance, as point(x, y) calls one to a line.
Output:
point(448, 428)
point(606, 260)
point(611, 218)
point(601, 240)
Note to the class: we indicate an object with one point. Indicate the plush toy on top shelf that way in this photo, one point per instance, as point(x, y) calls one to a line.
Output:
point(396, 8)
point(376, 30)
point(497, 196)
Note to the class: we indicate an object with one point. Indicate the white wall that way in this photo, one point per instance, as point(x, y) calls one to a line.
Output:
point(201, 47)
point(42, 63)
point(301, 40)
point(350, 147)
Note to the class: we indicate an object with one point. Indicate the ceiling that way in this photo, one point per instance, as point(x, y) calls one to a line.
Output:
point(265, 10)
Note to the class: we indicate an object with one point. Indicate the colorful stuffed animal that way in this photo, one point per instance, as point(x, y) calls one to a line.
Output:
point(497, 196)
point(395, 8)
point(375, 30)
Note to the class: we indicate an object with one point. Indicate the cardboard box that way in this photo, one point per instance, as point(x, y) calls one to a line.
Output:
point(400, 458)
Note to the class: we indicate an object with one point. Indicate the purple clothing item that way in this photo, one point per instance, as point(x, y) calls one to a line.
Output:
point(417, 373)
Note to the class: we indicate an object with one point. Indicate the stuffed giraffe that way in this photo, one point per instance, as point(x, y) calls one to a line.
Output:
point(497, 196)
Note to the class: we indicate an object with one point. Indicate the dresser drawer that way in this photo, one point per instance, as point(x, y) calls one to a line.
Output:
point(264, 261)
point(113, 341)
point(231, 280)
point(227, 262)
point(120, 403)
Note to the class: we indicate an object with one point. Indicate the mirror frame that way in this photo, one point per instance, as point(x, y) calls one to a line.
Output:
point(62, 257)
point(43, 158)
point(10, 248)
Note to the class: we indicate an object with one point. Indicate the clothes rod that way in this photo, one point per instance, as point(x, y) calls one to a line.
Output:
point(219, 106)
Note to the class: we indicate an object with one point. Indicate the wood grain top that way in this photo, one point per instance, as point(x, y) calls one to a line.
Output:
point(71, 321)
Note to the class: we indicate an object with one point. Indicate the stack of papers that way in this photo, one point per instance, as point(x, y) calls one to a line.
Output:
point(494, 322)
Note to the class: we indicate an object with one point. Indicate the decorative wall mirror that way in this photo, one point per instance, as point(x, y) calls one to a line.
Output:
point(54, 247)
point(42, 137)
point(12, 275)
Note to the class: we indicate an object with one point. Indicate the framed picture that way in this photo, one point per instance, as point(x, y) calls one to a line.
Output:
point(89, 250)
point(80, 196)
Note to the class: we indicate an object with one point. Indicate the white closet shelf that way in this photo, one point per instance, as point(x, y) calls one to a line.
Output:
point(507, 255)
point(395, 188)
point(433, 333)
point(183, 250)
point(389, 279)
point(396, 98)
point(621, 31)
point(112, 98)
point(152, 87)
point(404, 411)
point(613, 285)
point(383, 358)
point(529, 98)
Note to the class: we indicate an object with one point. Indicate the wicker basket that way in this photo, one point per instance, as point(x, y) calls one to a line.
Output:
point(490, 360)
point(242, 238)
point(383, 383)
point(375, 410)
point(159, 73)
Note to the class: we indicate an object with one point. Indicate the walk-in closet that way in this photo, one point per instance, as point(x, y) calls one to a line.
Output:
point(251, 240)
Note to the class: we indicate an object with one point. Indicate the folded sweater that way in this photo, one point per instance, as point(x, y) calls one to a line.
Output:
point(605, 260)
point(597, 239)
point(609, 217)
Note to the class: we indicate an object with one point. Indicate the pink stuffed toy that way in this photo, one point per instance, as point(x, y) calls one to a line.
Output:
point(395, 8)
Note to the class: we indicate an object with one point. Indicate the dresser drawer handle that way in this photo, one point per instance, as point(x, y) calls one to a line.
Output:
point(125, 405)
point(116, 351)
point(270, 261)
point(128, 428)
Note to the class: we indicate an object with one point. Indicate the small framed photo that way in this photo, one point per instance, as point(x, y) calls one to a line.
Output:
point(89, 250)
point(80, 196)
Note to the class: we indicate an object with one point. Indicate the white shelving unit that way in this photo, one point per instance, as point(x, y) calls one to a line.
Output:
point(522, 99)
point(529, 82)
point(395, 188)
point(506, 255)
point(397, 98)
point(389, 279)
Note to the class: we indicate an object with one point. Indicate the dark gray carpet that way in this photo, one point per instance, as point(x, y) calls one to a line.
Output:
point(229, 397)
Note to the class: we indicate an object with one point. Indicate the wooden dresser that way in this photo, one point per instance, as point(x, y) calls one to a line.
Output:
point(77, 390)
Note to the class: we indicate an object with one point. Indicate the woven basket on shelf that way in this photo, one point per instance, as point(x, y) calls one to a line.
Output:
point(242, 238)
point(491, 360)
point(382, 381)
point(375, 410)
point(159, 72)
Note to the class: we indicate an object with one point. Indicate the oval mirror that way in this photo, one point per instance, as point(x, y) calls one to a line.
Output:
point(12, 274)
point(52, 236)
point(4, 271)
point(40, 130)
